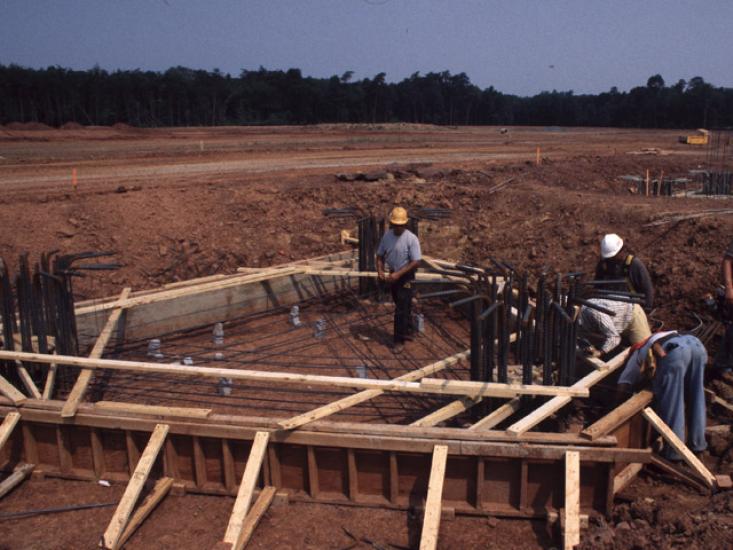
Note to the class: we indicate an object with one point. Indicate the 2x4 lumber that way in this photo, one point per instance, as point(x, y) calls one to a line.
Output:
point(246, 488)
point(571, 534)
point(122, 514)
point(619, 415)
point(497, 416)
point(177, 293)
point(450, 410)
point(366, 395)
point(6, 428)
point(624, 477)
point(82, 381)
point(151, 410)
point(431, 520)
point(30, 386)
point(50, 381)
point(254, 516)
point(11, 392)
point(16, 478)
point(426, 385)
point(556, 403)
point(678, 445)
point(434, 277)
point(160, 490)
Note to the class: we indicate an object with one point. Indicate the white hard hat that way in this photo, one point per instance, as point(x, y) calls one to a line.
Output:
point(611, 244)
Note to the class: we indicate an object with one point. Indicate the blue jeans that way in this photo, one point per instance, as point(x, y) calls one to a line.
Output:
point(678, 385)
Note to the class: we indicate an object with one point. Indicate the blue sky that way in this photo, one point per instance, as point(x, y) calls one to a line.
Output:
point(517, 46)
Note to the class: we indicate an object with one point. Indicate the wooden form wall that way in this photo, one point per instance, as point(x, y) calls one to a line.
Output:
point(208, 456)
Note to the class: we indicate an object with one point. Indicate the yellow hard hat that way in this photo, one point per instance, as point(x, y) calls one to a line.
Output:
point(398, 216)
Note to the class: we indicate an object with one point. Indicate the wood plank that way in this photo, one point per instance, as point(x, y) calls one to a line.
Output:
point(497, 416)
point(246, 488)
point(433, 508)
point(16, 478)
point(625, 476)
point(120, 518)
point(6, 428)
point(151, 410)
point(160, 490)
point(454, 408)
point(50, 381)
point(556, 403)
point(98, 462)
point(11, 392)
point(679, 446)
point(619, 415)
point(254, 516)
point(82, 382)
point(353, 474)
point(366, 395)
point(571, 534)
point(27, 381)
point(199, 462)
point(425, 386)
point(227, 459)
point(394, 478)
point(313, 483)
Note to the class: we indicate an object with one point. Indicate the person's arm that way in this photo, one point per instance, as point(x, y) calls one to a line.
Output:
point(642, 282)
point(728, 277)
point(380, 268)
point(404, 271)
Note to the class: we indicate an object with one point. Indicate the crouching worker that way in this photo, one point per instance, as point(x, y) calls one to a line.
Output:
point(675, 363)
point(604, 332)
point(399, 249)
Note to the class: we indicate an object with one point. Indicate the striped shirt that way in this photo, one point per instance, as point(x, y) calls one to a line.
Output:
point(604, 331)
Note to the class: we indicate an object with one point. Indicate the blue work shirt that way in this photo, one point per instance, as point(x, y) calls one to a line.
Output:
point(399, 251)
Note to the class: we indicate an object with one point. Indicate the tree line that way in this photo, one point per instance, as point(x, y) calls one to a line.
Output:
point(186, 97)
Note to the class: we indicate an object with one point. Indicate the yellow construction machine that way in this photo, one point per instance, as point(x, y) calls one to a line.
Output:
point(701, 138)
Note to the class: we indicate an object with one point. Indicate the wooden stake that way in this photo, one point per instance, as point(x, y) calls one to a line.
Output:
point(235, 528)
point(16, 478)
point(254, 516)
point(431, 521)
point(538, 160)
point(647, 183)
point(571, 535)
point(119, 521)
point(624, 477)
point(73, 179)
point(679, 446)
point(161, 489)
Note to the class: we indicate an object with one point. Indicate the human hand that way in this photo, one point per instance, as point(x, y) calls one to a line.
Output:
point(392, 277)
point(380, 275)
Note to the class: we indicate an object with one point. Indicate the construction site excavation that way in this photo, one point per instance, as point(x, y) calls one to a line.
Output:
point(202, 343)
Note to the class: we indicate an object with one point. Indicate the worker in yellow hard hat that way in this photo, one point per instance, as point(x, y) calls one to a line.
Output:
point(399, 250)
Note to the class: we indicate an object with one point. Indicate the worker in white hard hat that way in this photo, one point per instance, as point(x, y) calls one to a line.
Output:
point(399, 251)
point(617, 263)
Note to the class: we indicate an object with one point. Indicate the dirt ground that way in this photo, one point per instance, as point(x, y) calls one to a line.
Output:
point(179, 203)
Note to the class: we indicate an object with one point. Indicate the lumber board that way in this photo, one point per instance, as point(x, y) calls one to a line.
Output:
point(632, 406)
point(679, 446)
point(160, 490)
point(434, 277)
point(11, 392)
point(21, 472)
point(425, 386)
point(27, 381)
point(625, 476)
point(245, 427)
point(571, 534)
point(50, 381)
point(6, 428)
point(556, 403)
point(122, 514)
point(497, 416)
point(82, 381)
point(254, 516)
point(431, 520)
point(246, 488)
point(151, 410)
point(448, 411)
point(366, 395)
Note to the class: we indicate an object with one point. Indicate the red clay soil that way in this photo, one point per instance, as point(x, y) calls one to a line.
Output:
point(180, 203)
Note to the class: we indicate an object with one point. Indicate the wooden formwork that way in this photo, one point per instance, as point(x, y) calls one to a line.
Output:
point(514, 472)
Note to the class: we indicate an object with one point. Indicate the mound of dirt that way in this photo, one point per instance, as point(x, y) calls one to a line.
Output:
point(26, 126)
point(71, 126)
